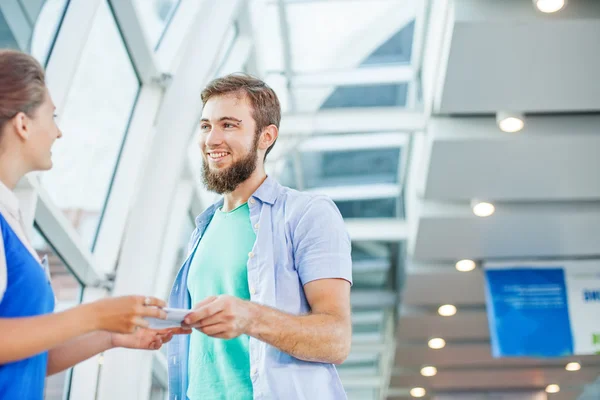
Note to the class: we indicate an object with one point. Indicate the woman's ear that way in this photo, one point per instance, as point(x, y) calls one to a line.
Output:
point(21, 123)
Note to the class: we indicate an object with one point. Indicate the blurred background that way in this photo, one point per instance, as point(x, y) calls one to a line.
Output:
point(450, 133)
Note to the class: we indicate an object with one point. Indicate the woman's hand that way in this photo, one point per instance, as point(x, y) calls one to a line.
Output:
point(146, 339)
point(123, 314)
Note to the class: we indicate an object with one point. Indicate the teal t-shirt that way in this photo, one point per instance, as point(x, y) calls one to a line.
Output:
point(219, 369)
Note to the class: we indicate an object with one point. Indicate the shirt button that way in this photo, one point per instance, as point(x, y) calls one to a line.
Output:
point(252, 201)
point(250, 255)
point(256, 225)
point(252, 291)
point(253, 371)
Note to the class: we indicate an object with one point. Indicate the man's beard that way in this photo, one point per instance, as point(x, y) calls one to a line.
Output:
point(227, 180)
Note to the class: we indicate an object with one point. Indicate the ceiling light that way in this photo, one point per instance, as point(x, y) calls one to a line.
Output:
point(437, 343)
point(465, 265)
point(549, 6)
point(429, 371)
point(510, 122)
point(573, 366)
point(417, 392)
point(447, 310)
point(483, 209)
point(552, 389)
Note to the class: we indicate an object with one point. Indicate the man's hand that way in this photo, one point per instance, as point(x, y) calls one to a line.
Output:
point(223, 317)
point(146, 339)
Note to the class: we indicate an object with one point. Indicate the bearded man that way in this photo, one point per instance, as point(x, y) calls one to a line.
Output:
point(268, 273)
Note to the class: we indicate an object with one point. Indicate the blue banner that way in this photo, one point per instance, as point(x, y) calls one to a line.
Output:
point(528, 312)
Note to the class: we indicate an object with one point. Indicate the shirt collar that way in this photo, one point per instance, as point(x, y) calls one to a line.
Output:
point(268, 191)
point(9, 200)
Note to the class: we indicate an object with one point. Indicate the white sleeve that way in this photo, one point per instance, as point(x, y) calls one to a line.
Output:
point(2, 268)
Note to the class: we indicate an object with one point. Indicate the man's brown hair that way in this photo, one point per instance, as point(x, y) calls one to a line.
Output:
point(266, 109)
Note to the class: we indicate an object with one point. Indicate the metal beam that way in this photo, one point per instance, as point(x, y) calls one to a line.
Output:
point(383, 229)
point(353, 77)
point(352, 120)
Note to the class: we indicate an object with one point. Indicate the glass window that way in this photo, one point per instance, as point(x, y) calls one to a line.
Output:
point(94, 123)
point(372, 208)
point(67, 291)
point(340, 168)
point(51, 13)
point(8, 40)
point(334, 25)
point(396, 50)
point(387, 95)
point(155, 16)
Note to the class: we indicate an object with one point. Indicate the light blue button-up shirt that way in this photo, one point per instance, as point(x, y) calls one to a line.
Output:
point(300, 237)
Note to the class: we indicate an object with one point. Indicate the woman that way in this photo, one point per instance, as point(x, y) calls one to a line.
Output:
point(36, 342)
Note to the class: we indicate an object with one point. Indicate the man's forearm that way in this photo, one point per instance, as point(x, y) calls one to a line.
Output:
point(77, 350)
point(313, 337)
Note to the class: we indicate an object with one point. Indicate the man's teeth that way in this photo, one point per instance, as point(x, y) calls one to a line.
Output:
point(217, 155)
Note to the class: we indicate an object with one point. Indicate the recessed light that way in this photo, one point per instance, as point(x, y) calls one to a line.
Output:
point(573, 366)
point(465, 265)
point(549, 6)
point(437, 343)
point(429, 371)
point(510, 122)
point(447, 310)
point(418, 392)
point(483, 209)
point(552, 388)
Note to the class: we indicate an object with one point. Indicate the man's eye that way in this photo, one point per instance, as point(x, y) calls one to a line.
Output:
point(203, 126)
point(229, 125)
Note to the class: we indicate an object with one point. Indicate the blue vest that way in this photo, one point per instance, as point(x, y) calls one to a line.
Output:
point(28, 293)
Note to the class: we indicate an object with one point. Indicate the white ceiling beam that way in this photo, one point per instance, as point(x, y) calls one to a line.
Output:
point(383, 140)
point(353, 77)
point(359, 192)
point(352, 120)
point(383, 229)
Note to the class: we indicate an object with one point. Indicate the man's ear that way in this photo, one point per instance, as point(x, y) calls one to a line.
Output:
point(21, 124)
point(268, 137)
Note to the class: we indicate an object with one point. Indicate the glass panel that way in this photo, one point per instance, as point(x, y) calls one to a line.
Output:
point(335, 25)
point(396, 50)
point(373, 208)
point(67, 291)
point(48, 22)
point(340, 168)
point(94, 124)
point(7, 37)
point(368, 96)
point(155, 16)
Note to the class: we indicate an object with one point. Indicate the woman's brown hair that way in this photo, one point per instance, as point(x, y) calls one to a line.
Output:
point(22, 85)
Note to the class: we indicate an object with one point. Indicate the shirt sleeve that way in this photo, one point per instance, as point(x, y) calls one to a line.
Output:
point(3, 274)
point(321, 243)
